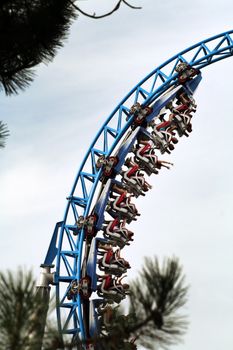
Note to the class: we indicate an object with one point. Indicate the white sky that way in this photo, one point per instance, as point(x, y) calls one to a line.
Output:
point(188, 212)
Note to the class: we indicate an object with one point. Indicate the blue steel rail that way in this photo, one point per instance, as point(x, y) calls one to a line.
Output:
point(64, 246)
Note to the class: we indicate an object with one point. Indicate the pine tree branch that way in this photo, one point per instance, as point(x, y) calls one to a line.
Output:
point(31, 32)
point(154, 316)
point(131, 6)
point(155, 300)
point(116, 8)
point(4, 133)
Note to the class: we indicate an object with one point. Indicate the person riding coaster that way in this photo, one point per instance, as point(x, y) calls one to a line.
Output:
point(107, 164)
point(88, 224)
point(89, 346)
point(111, 288)
point(185, 72)
point(186, 102)
point(81, 287)
point(134, 178)
point(74, 289)
point(106, 316)
point(111, 261)
point(162, 139)
point(105, 313)
point(182, 114)
point(121, 204)
point(176, 122)
point(185, 107)
point(116, 231)
point(140, 113)
point(145, 155)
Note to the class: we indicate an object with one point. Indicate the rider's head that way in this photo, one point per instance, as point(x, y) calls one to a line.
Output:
point(126, 286)
point(100, 161)
point(128, 162)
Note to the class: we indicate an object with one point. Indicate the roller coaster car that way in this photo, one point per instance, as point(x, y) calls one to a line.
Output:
point(105, 201)
point(112, 289)
point(179, 124)
point(116, 231)
point(112, 165)
point(134, 179)
point(185, 102)
point(83, 287)
point(140, 113)
point(145, 157)
point(107, 164)
point(90, 226)
point(100, 320)
point(89, 346)
point(148, 153)
point(122, 207)
point(186, 106)
point(105, 313)
point(162, 141)
point(112, 262)
point(185, 72)
point(180, 119)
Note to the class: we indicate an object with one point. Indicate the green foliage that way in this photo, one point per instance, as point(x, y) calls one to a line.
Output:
point(22, 312)
point(52, 340)
point(3, 134)
point(17, 306)
point(31, 31)
point(155, 300)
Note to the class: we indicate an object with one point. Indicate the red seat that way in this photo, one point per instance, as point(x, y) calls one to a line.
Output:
point(133, 170)
point(144, 149)
point(181, 108)
point(108, 282)
point(114, 223)
point(109, 256)
point(163, 125)
point(121, 199)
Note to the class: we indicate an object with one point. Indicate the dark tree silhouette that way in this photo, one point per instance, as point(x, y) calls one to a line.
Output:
point(18, 307)
point(156, 299)
point(31, 32)
point(4, 133)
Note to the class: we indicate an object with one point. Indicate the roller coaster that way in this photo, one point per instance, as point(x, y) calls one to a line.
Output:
point(87, 244)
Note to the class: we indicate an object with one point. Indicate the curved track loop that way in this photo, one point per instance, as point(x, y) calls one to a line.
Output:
point(66, 247)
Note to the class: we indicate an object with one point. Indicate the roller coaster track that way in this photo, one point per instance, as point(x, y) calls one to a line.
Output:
point(67, 244)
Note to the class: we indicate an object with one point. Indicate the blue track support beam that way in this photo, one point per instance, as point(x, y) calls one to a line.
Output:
point(69, 252)
point(52, 251)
